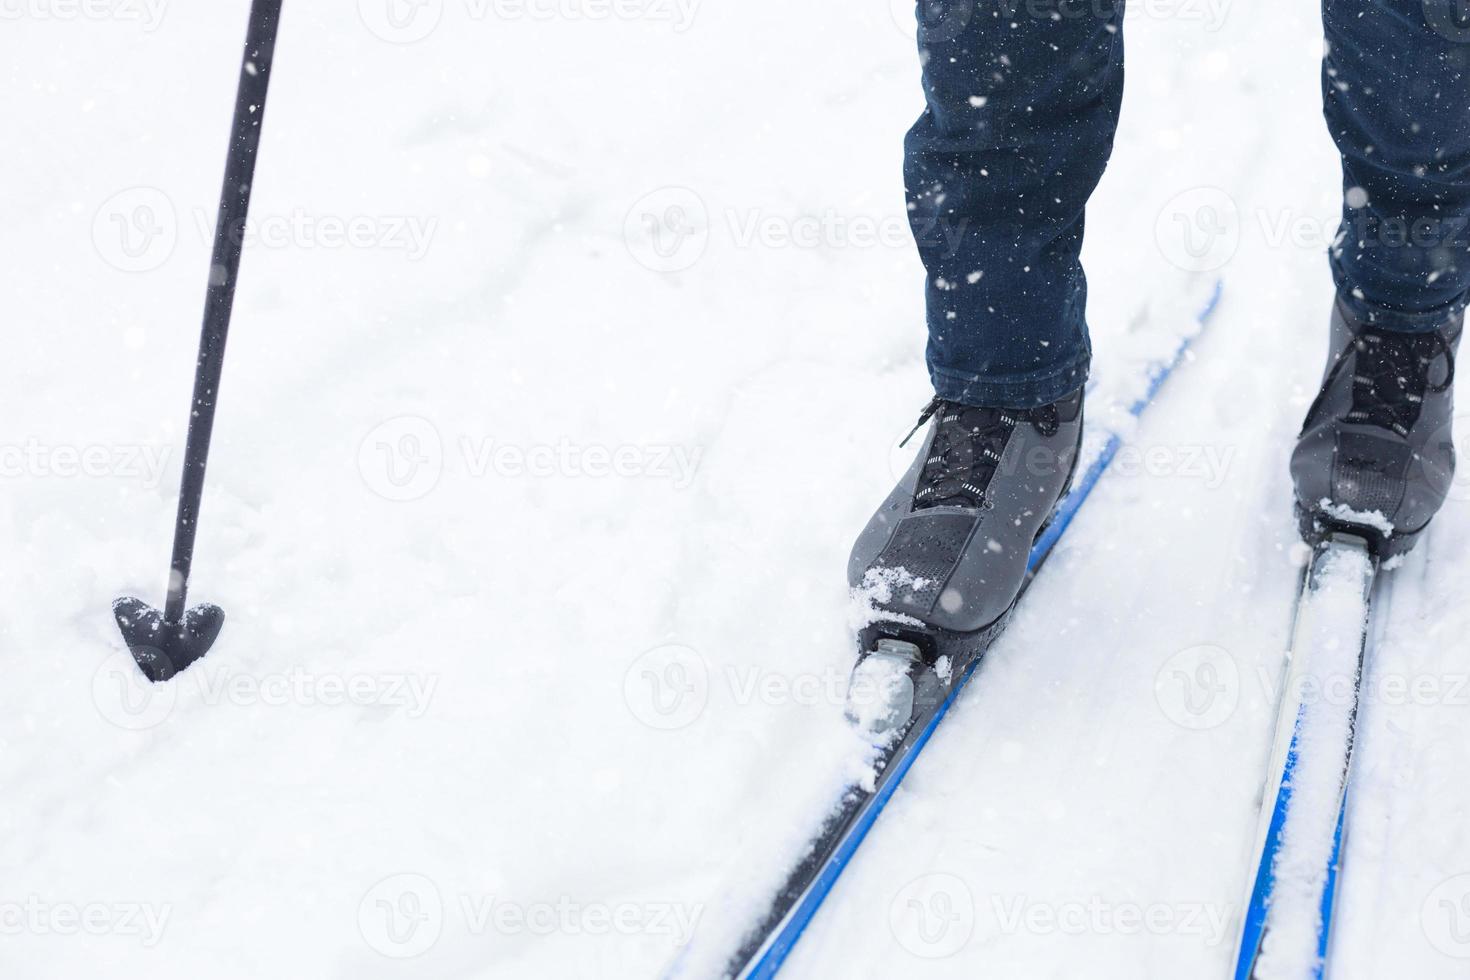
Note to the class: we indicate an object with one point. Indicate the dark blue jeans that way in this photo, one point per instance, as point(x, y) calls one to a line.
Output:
point(1022, 103)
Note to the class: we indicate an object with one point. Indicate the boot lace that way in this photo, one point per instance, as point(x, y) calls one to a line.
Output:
point(1391, 376)
point(966, 451)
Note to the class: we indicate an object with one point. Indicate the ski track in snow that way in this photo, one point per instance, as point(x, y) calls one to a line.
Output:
point(580, 696)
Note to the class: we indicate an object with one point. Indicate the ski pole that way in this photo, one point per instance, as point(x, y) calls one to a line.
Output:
point(165, 643)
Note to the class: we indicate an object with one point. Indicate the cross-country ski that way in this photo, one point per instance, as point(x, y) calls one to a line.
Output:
point(1288, 916)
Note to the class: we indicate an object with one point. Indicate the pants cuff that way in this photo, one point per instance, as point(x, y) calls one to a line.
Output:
point(1387, 318)
point(1016, 391)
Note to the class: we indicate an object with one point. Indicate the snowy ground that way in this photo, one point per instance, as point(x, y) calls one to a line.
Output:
point(570, 353)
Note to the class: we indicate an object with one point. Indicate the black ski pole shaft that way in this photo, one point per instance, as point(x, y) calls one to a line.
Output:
point(168, 641)
point(219, 301)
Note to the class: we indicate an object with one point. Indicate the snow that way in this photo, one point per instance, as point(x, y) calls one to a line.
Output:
point(866, 603)
point(1324, 682)
point(880, 697)
point(568, 358)
point(1365, 518)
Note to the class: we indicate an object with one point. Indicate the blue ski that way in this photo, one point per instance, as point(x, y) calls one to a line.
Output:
point(1288, 916)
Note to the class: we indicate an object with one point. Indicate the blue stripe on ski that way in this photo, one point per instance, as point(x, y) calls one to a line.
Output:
point(796, 922)
point(1329, 890)
point(1254, 927)
point(775, 954)
point(1254, 924)
point(1084, 486)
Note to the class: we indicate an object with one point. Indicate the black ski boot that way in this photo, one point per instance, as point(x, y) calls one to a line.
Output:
point(945, 556)
point(1374, 457)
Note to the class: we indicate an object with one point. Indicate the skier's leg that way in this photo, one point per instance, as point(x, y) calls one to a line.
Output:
point(1396, 94)
point(1022, 102)
point(1375, 453)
